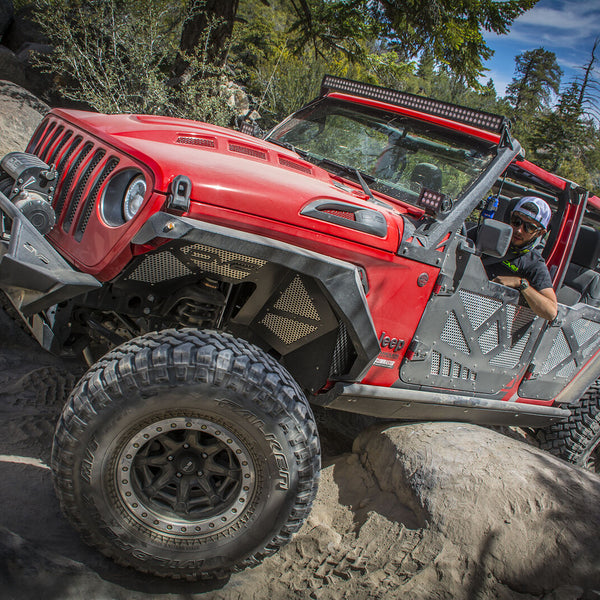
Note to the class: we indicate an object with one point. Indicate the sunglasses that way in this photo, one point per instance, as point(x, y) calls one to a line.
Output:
point(527, 226)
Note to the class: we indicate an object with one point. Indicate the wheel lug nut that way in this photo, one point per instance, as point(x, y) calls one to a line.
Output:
point(179, 475)
point(204, 455)
point(169, 458)
point(200, 473)
point(186, 446)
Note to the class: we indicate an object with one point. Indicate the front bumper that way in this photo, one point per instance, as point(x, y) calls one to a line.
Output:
point(32, 272)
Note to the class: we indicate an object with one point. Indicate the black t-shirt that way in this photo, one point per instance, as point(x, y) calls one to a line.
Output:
point(528, 264)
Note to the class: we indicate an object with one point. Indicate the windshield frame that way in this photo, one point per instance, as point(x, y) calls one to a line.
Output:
point(425, 234)
point(385, 147)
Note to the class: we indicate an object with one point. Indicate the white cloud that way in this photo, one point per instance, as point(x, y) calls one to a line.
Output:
point(565, 23)
point(565, 63)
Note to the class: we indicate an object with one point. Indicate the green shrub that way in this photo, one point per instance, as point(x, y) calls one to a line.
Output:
point(118, 56)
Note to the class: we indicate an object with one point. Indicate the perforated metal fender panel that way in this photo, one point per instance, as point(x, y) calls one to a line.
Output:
point(476, 338)
point(565, 348)
point(294, 315)
point(173, 263)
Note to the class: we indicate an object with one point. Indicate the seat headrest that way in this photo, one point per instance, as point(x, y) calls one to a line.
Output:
point(427, 175)
point(587, 248)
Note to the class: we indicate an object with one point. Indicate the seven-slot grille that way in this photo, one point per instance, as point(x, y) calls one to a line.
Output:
point(83, 166)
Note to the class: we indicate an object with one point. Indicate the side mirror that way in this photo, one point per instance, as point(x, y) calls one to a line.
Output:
point(493, 237)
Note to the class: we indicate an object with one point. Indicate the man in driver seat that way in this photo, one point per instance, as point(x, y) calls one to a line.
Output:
point(522, 267)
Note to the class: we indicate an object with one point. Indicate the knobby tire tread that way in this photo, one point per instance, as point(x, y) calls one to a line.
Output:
point(191, 354)
point(570, 439)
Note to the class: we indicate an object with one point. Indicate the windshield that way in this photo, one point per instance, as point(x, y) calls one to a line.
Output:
point(396, 155)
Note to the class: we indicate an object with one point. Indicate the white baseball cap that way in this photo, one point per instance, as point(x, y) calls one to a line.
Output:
point(534, 208)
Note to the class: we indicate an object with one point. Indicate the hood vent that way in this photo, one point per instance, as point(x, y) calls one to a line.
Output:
point(196, 141)
point(344, 214)
point(248, 151)
point(286, 162)
point(347, 215)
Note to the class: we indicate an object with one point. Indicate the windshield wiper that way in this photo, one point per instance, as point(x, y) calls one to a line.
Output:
point(353, 172)
point(365, 187)
point(298, 151)
point(339, 168)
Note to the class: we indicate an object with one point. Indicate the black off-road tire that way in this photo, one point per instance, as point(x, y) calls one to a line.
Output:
point(7, 306)
point(577, 440)
point(6, 183)
point(186, 454)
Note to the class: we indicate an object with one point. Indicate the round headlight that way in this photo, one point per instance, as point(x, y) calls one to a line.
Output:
point(134, 197)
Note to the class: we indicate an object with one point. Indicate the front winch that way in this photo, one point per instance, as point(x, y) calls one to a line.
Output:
point(33, 188)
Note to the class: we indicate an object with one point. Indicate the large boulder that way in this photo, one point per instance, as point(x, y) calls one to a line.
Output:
point(6, 16)
point(20, 113)
point(521, 516)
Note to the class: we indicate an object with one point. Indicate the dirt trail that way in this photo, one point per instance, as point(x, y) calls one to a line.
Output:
point(420, 511)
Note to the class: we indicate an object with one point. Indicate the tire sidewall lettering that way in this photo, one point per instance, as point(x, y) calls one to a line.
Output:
point(96, 469)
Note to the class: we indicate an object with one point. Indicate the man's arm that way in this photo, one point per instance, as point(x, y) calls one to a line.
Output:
point(543, 302)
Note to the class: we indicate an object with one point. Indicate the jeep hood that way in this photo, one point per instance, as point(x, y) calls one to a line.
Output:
point(234, 173)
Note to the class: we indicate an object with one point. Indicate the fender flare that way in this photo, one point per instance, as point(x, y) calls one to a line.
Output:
point(339, 281)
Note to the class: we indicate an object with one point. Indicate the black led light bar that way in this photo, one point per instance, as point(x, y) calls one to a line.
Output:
point(246, 128)
point(461, 114)
point(434, 202)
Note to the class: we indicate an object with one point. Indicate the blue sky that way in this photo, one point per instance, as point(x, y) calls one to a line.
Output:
point(566, 27)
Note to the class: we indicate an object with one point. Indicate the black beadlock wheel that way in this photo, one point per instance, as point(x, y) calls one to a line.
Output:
point(187, 454)
point(577, 439)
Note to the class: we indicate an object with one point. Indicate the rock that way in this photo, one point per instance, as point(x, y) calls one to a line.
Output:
point(36, 80)
point(239, 101)
point(565, 592)
point(6, 16)
point(527, 518)
point(23, 30)
point(20, 68)
point(22, 40)
point(11, 68)
point(29, 49)
point(29, 574)
point(20, 114)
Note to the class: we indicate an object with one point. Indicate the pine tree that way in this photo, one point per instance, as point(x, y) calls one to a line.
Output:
point(537, 77)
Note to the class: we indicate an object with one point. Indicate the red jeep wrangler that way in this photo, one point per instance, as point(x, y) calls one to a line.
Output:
point(218, 285)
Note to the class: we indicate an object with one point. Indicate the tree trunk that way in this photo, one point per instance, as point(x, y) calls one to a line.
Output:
point(212, 26)
point(587, 71)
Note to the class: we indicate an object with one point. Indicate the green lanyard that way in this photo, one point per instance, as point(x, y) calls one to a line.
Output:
point(512, 267)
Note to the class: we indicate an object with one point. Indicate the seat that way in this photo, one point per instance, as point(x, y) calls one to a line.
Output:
point(426, 175)
point(505, 206)
point(582, 280)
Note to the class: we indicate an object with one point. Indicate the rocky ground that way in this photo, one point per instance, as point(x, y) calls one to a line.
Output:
point(416, 511)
